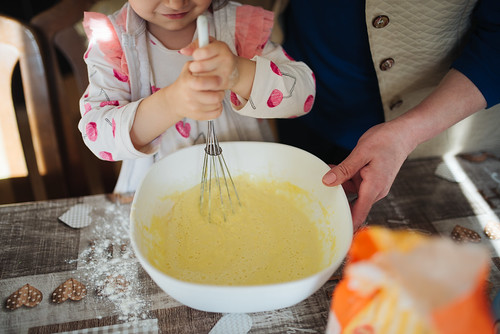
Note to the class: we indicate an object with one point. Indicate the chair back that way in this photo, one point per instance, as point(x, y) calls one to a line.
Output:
point(65, 47)
point(30, 162)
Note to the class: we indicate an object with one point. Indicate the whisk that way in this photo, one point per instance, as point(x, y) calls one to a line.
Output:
point(215, 173)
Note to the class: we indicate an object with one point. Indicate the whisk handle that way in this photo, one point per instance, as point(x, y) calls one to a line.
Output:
point(202, 26)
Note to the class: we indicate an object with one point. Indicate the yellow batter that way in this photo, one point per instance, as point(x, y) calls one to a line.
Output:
point(268, 239)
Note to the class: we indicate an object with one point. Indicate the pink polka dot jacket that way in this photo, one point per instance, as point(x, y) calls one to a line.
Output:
point(121, 74)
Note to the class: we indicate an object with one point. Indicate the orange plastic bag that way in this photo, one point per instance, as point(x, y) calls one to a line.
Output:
point(405, 283)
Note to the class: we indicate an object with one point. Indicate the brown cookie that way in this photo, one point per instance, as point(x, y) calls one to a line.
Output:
point(480, 157)
point(27, 296)
point(71, 289)
point(463, 234)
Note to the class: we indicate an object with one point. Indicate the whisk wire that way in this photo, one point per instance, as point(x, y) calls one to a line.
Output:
point(224, 167)
point(215, 169)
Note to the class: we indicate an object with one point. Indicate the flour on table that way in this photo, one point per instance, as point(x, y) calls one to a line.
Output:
point(109, 266)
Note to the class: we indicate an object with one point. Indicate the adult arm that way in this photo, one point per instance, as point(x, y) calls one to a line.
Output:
point(371, 168)
point(472, 84)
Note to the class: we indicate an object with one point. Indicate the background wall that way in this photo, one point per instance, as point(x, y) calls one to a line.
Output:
point(24, 9)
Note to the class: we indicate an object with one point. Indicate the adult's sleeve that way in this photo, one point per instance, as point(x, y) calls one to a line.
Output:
point(480, 58)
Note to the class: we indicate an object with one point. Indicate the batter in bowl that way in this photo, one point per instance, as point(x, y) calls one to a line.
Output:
point(268, 239)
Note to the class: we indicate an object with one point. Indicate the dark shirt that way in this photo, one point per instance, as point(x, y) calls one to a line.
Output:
point(331, 38)
point(480, 59)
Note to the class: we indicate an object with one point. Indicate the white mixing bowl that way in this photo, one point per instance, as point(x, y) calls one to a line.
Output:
point(182, 170)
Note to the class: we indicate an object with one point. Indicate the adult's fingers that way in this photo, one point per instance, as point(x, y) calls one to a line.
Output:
point(345, 170)
point(370, 190)
point(350, 187)
point(361, 208)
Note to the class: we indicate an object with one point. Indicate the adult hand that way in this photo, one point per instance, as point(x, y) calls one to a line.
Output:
point(371, 168)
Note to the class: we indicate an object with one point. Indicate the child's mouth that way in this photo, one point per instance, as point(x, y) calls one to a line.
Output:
point(176, 16)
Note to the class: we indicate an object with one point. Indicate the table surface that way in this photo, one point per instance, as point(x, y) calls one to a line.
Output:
point(431, 196)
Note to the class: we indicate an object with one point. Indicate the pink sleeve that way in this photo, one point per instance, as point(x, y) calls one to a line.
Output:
point(253, 28)
point(100, 31)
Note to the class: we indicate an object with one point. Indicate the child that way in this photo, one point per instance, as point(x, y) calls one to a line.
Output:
point(152, 90)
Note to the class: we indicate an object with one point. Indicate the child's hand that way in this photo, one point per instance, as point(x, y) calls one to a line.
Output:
point(191, 96)
point(216, 60)
point(194, 96)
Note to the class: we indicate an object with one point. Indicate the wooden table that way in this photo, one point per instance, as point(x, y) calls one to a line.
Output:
point(431, 196)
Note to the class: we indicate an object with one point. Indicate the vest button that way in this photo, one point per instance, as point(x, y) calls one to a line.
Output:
point(380, 21)
point(386, 64)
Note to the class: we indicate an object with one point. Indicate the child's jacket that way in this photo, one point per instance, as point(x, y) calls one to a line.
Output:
point(120, 75)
